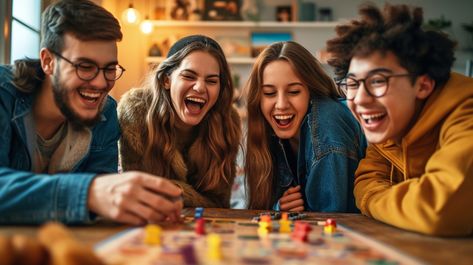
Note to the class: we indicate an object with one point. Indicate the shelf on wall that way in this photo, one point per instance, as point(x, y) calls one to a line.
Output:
point(230, 60)
point(245, 24)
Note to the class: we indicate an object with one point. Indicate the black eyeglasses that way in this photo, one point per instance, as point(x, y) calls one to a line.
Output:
point(376, 85)
point(88, 70)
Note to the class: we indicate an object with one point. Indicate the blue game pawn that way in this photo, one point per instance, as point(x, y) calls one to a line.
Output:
point(199, 212)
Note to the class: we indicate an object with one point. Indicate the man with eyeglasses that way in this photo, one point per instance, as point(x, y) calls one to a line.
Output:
point(59, 129)
point(417, 116)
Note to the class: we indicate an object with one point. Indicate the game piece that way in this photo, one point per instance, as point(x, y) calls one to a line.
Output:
point(285, 216)
point(263, 229)
point(301, 231)
point(199, 212)
point(285, 225)
point(244, 244)
point(214, 245)
point(152, 235)
point(267, 219)
point(330, 226)
point(188, 255)
point(200, 226)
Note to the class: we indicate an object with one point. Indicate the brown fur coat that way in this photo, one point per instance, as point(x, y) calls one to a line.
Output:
point(132, 111)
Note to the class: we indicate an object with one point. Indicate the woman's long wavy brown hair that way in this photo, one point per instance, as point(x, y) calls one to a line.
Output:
point(212, 155)
point(259, 160)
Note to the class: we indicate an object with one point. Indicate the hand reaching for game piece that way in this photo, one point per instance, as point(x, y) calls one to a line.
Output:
point(291, 200)
point(135, 198)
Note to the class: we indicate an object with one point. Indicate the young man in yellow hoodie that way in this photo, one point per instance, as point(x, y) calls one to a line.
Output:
point(417, 116)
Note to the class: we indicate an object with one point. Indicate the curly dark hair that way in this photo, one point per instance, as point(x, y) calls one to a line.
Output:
point(397, 29)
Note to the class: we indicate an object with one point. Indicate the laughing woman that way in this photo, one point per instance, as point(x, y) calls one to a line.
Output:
point(180, 124)
point(303, 144)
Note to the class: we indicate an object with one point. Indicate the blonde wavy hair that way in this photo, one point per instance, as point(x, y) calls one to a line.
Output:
point(259, 163)
point(212, 156)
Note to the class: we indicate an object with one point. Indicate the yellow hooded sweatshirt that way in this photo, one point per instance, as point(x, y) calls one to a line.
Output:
point(426, 184)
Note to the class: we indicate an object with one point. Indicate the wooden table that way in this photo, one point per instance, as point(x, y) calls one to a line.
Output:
point(428, 250)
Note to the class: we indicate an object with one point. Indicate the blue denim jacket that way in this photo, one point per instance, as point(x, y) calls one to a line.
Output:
point(330, 147)
point(26, 197)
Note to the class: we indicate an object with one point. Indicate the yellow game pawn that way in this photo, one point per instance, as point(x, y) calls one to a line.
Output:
point(266, 219)
point(153, 235)
point(264, 229)
point(285, 226)
point(330, 226)
point(329, 229)
point(214, 245)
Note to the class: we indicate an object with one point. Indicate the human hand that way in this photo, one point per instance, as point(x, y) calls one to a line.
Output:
point(135, 198)
point(292, 200)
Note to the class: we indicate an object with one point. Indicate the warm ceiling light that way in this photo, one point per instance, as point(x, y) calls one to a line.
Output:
point(131, 15)
point(146, 26)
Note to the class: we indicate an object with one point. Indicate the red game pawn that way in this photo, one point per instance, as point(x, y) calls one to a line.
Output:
point(200, 226)
point(301, 231)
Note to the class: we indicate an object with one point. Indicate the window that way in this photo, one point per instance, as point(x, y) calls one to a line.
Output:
point(22, 35)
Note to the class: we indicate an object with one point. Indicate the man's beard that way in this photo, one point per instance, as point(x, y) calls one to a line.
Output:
point(62, 102)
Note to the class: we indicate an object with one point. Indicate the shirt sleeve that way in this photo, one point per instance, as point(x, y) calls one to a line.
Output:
point(329, 186)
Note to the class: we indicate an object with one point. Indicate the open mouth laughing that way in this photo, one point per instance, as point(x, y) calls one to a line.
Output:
point(372, 120)
point(195, 104)
point(283, 120)
point(90, 97)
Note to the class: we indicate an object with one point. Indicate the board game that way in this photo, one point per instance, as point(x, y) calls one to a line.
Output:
point(260, 240)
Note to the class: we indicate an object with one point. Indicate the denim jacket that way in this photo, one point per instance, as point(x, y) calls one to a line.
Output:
point(27, 197)
point(330, 147)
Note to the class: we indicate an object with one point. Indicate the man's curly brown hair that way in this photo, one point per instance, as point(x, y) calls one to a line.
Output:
point(396, 29)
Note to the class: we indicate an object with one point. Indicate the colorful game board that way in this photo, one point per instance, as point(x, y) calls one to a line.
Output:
point(238, 242)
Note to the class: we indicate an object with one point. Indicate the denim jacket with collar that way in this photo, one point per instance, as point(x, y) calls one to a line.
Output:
point(27, 197)
point(331, 145)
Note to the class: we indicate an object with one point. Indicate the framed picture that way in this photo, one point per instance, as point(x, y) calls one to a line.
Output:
point(184, 9)
point(283, 13)
point(220, 10)
point(234, 46)
point(260, 40)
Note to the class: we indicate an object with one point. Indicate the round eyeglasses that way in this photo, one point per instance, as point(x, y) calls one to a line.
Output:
point(376, 85)
point(89, 70)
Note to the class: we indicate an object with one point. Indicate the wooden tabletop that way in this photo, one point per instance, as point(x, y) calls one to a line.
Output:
point(426, 249)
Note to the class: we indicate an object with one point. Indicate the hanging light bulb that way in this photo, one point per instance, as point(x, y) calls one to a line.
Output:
point(146, 26)
point(131, 15)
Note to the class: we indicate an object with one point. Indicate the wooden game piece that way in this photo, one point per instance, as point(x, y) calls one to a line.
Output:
point(263, 229)
point(152, 235)
point(214, 250)
point(285, 216)
point(188, 255)
point(63, 248)
point(267, 219)
point(200, 226)
point(199, 212)
point(285, 226)
point(301, 231)
point(330, 226)
point(28, 250)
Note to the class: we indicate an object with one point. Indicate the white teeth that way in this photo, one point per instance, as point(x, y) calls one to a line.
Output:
point(90, 94)
point(283, 117)
point(198, 100)
point(371, 116)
